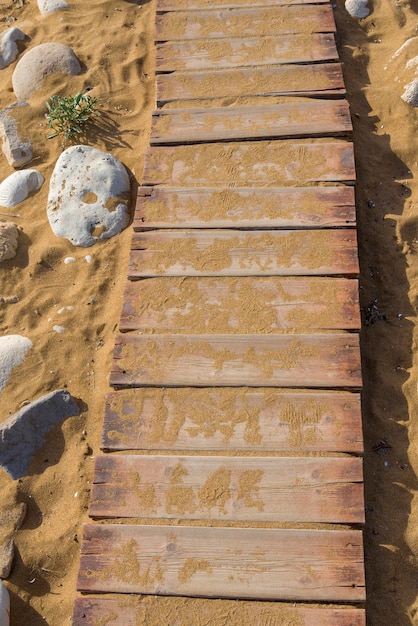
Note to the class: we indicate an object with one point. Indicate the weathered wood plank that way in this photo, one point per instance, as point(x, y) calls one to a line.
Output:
point(120, 610)
point(326, 361)
point(301, 80)
point(297, 119)
point(243, 253)
point(288, 207)
point(229, 419)
point(250, 164)
point(279, 564)
point(245, 489)
point(198, 5)
point(253, 22)
point(205, 54)
point(240, 305)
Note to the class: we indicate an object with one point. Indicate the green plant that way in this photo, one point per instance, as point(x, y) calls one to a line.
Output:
point(68, 115)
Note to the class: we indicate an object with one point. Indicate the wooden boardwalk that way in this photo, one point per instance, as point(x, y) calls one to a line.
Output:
point(232, 442)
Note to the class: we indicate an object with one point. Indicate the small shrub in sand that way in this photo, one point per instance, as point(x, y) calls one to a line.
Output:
point(69, 115)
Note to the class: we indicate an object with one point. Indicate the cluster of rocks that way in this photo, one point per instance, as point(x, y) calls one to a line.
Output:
point(89, 198)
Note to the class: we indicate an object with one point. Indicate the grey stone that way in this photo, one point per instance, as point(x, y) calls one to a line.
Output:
point(16, 150)
point(89, 196)
point(9, 241)
point(23, 434)
point(47, 58)
point(8, 47)
point(4, 606)
point(10, 522)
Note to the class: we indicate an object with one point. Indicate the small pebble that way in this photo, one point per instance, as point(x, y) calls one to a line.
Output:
point(88, 258)
point(69, 259)
point(58, 329)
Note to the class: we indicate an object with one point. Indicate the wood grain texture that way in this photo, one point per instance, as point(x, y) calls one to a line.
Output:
point(277, 564)
point(250, 489)
point(320, 79)
point(325, 361)
point(284, 163)
point(243, 253)
point(230, 419)
point(247, 22)
point(120, 610)
point(198, 5)
point(298, 119)
point(240, 305)
point(204, 54)
point(274, 207)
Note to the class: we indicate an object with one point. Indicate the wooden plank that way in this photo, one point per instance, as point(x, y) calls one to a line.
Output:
point(276, 564)
point(298, 119)
point(298, 361)
point(240, 305)
point(250, 164)
point(244, 489)
point(198, 5)
point(274, 207)
point(206, 54)
point(133, 610)
point(243, 253)
point(320, 79)
point(238, 22)
point(233, 420)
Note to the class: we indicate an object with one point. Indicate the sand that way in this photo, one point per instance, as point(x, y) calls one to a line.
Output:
point(113, 39)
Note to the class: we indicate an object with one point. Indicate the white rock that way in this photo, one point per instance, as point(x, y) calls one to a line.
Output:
point(88, 196)
point(9, 238)
point(13, 349)
point(410, 95)
point(17, 187)
point(8, 46)
point(16, 150)
point(69, 259)
point(47, 58)
point(4, 606)
point(58, 329)
point(50, 6)
point(357, 8)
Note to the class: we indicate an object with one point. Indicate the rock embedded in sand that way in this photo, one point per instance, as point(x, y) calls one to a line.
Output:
point(8, 46)
point(11, 518)
point(17, 187)
point(23, 434)
point(47, 58)
point(16, 151)
point(50, 6)
point(410, 95)
point(9, 241)
point(357, 8)
point(13, 349)
point(4, 606)
point(88, 196)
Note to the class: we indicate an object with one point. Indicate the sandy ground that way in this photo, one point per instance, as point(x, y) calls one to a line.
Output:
point(113, 38)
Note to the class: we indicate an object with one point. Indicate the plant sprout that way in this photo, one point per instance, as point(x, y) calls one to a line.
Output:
point(68, 115)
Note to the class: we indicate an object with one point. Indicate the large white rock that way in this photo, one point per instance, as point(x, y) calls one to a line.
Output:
point(17, 187)
point(88, 196)
point(13, 349)
point(4, 606)
point(50, 6)
point(8, 46)
point(47, 58)
point(9, 241)
point(357, 8)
